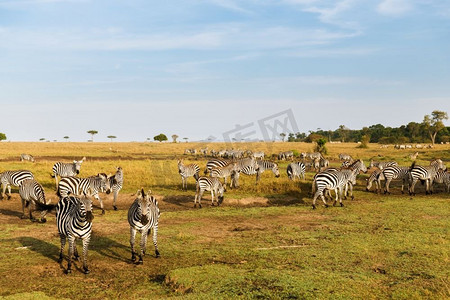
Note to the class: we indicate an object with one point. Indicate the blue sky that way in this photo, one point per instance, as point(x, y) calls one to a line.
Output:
point(197, 68)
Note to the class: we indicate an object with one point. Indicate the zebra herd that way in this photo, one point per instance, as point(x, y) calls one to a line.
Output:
point(340, 180)
point(74, 209)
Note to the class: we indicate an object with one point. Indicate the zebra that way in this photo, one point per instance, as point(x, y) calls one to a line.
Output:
point(336, 180)
point(344, 157)
point(32, 195)
point(216, 162)
point(286, 155)
point(312, 156)
point(262, 166)
point(296, 169)
point(187, 171)
point(373, 178)
point(66, 169)
point(413, 156)
point(143, 216)
point(443, 176)
point(91, 185)
point(259, 155)
point(15, 178)
point(383, 164)
point(424, 173)
point(224, 172)
point(116, 184)
point(28, 157)
point(209, 184)
point(393, 172)
point(74, 220)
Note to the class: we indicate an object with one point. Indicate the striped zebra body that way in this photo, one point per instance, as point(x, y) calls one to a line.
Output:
point(286, 155)
point(116, 184)
point(296, 169)
point(143, 216)
point(391, 173)
point(259, 155)
point(187, 171)
point(74, 220)
point(216, 162)
point(32, 195)
point(262, 166)
point(25, 156)
point(66, 169)
point(426, 174)
point(382, 165)
point(373, 178)
point(209, 184)
point(345, 157)
point(14, 178)
point(333, 180)
point(224, 172)
point(89, 186)
point(443, 176)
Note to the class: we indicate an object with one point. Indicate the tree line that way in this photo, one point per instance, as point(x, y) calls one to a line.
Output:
point(430, 130)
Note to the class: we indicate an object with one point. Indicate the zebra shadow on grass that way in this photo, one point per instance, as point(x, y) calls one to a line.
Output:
point(42, 247)
point(110, 248)
point(11, 213)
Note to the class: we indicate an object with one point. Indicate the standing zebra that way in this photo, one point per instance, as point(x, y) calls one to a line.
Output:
point(224, 172)
point(383, 164)
point(28, 157)
point(90, 185)
point(116, 184)
point(209, 184)
point(443, 176)
point(74, 220)
point(424, 173)
point(143, 215)
point(66, 169)
point(333, 180)
point(296, 169)
point(262, 166)
point(377, 174)
point(344, 157)
point(216, 162)
point(391, 173)
point(33, 196)
point(187, 171)
point(259, 155)
point(15, 178)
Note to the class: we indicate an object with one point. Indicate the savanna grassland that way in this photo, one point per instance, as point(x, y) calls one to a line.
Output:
point(265, 241)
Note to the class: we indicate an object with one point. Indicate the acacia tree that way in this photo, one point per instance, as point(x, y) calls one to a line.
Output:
point(174, 138)
point(92, 132)
point(434, 123)
point(42, 139)
point(283, 135)
point(112, 137)
point(2, 136)
point(160, 137)
point(186, 139)
point(66, 137)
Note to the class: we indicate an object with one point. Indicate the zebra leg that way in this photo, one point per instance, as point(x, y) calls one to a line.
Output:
point(143, 243)
point(63, 243)
point(386, 186)
point(71, 246)
point(56, 181)
point(30, 211)
point(155, 240)
point(86, 241)
point(411, 187)
point(101, 203)
point(9, 191)
point(76, 256)
point(212, 197)
point(340, 197)
point(351, 192)
point(116, 193)
point(132, 240)
point(43, 214)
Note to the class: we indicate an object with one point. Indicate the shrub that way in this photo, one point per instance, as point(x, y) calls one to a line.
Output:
point(320, 146)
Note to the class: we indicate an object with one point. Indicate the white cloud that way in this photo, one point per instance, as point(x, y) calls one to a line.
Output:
point(394, 7)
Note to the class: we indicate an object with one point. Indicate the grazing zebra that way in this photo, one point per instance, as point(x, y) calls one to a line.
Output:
point(312, 156)
point(426, 174)
point(286, 155)
point(224, 172)
point(74, 220)
point(32, 195)
point(262, 166)
point(28, 157)
point(374, 177)
point(259, 155)
point(143, 216)
point(66, 169)
point(391, 173)
point(216, 162)
point(15, 178)
point(333, 180)
point(383, 164)
point(90, 185)
point(296, 169)
point(413, 156)
point(344, 157)
point(209, 184)
point(442, 176)
point(187, 171)
point(116, 184)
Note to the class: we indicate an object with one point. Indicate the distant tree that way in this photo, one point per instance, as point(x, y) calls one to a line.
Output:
point(2, 136)
point(42, 139)
point(320, 146)
point(111, 137)
point(434, 123)
point(343, 132)
point(66, 137)
point(365, 139)
point(283, 135)
point(185, 139)
point(160, 137)
point(174, 138)
point(149, 139)
point(92, 132)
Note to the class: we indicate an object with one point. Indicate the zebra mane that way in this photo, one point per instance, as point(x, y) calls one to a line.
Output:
point(412, 165)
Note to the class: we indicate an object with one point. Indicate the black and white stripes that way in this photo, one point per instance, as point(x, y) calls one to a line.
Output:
point(187, 171)
point(14, 178)
point(66, 169)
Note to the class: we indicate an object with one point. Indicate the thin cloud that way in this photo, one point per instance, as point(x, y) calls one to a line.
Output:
point(394, 7)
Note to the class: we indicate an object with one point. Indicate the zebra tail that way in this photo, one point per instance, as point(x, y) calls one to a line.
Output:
point(412, 165)
point(53, 175)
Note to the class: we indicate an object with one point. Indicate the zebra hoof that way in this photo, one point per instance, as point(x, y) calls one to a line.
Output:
point(334, 204)
point(140, 262)
point(313, 206)
point(326, 205)
point(76, 258)
point(68, 271)
point(342, 204)
point(43, 220)
point(115, 207)
point(23, 217)
point(157, 255)
point(86, 270)
point(60, 260)
point(353, 197)
point(9, 197)
point(103, 211)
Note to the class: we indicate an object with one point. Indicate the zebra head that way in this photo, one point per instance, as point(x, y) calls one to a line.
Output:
point(275, 170)
point(438, 164)
point(144, 203)
point(77, 165)
point(86, 208)
point(105, 183)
